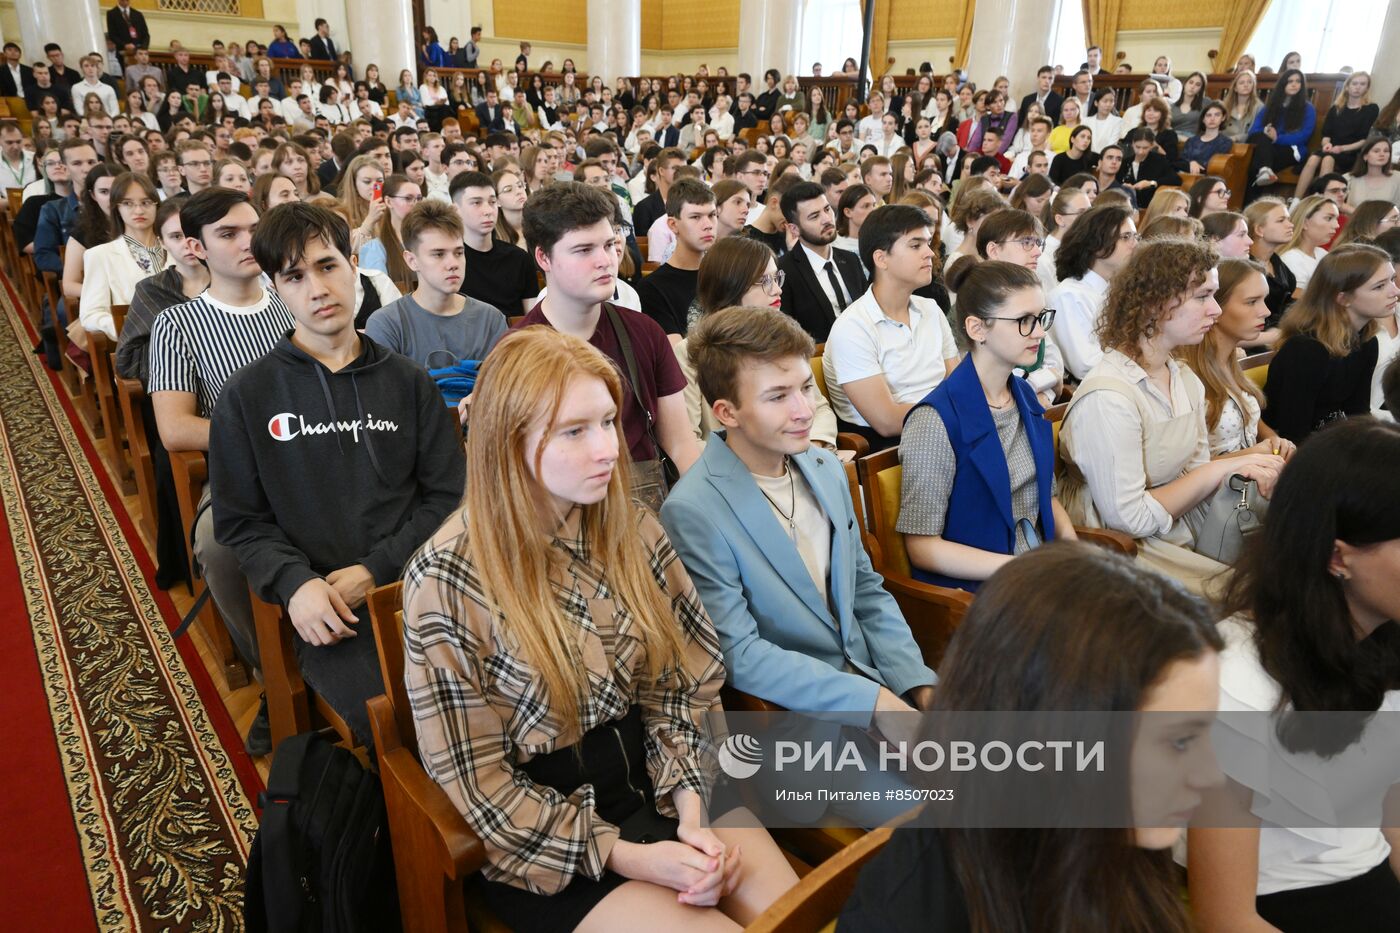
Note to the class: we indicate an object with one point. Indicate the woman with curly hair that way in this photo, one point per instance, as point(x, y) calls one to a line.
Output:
point(1135, 448)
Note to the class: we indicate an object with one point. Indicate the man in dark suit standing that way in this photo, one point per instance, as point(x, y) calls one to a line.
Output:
point(322, 46)
point(1094, 65)
point(819, 280)
point(16, 78)
point(127, 27)
point(1044, 95)
point(490, 114)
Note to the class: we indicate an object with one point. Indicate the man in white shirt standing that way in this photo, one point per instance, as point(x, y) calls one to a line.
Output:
point(91, 84)
point(890, 348)
point(1094, 250)
point(18, 169)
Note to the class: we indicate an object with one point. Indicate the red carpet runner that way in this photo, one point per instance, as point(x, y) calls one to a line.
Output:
point(124, 789)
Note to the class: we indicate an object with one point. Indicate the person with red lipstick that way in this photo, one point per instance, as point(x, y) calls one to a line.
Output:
point(668, 293)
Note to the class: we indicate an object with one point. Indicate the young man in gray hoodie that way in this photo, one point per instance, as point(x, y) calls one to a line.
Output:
point(331, 460)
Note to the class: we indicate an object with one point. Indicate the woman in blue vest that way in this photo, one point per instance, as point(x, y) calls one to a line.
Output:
point(979, 460)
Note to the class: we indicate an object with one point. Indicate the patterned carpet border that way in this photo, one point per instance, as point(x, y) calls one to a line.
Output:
point(163, 820)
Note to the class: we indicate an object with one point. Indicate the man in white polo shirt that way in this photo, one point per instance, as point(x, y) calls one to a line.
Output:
point(890, 348)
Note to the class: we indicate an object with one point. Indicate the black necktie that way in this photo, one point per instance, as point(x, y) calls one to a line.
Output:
point(835, 285)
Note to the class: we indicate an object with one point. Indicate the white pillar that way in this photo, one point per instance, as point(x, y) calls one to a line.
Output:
point(770, 36)
point(381, 33)
point(1012, 38)
point(614, 38)
point(1385, 73)
point(73, 24)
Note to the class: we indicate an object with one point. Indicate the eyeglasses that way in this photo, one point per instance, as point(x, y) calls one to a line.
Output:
point(409, 198)
point(1026, 243)
point(772, 282)
point(1026, 322)
point(144, 205)
point(1221, 192)
point(755, 171)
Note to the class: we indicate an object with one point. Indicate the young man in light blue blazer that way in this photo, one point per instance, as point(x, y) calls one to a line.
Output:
point(765, 527)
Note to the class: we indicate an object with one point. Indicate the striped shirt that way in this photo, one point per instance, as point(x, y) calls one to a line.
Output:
point(198, 345)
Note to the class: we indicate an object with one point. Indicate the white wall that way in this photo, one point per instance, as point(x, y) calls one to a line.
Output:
point(1188, 48)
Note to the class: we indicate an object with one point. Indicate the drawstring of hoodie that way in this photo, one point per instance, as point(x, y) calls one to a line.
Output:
point(330, 403)
point(359, 412)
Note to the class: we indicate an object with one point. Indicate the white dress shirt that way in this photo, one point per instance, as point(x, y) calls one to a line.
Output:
point(338, 114)
point(1078, 303)
point(819, 270)
point(236, 104)
point(109, 97)
point(864, 342)
point(1045, 271)
point(1106, 132)
point(870, 129)
point(723, 124)
point(1022, 162)
point(22, 177)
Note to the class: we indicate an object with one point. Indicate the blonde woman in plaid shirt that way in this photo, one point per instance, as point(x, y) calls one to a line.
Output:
point(560, 664)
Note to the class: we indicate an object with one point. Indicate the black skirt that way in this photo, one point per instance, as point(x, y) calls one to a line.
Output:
point(611, 757)
point(1368, 903)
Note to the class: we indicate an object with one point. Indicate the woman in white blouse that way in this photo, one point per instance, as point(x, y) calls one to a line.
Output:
point(1314, 225)
point(1311, 627)
point(1233, 401)
point(1135, 449)
point(111, 270)
point(1106, 125)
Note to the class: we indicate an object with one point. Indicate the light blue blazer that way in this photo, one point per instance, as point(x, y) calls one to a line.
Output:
point(781, 642)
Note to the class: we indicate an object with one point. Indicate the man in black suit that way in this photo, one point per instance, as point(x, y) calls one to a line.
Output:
point(63, 77)
point(491, 115)
point(1044, 95)
point(16, 78)
point(819, 280)
point(126, 28)
point(665, 133)
point(322, 47)
point(1094, 65)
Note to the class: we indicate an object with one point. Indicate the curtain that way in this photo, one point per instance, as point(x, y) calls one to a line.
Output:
point(1242, 17)
point(1101, 28)
point(964, 35)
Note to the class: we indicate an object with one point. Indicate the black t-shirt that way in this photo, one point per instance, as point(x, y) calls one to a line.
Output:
point(776, 241)
point(666, 295)
point(1282, 283)
point(503, 278)
point(909, 887)
point(647, 210)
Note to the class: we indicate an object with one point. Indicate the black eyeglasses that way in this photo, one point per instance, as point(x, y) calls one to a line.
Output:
point(1026, 322)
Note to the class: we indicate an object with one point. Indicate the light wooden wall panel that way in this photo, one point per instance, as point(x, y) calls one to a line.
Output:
point(651, 24)
point(706, 24)
point(542, 21)
point(1179, 14)
point(911, 20)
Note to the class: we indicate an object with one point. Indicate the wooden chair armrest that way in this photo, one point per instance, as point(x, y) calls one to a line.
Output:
point(436, 823)
point(737, 701)
point(933, 613)
point(850, 441)
point(1108, 538)
point(190, 465)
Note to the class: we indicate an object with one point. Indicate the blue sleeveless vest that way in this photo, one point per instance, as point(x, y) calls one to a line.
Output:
point(979, 508)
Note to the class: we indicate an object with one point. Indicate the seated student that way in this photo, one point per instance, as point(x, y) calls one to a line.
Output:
point(1077, 157)
point(112, 270)
point(1148, 169)
point(1270, 230)
point(852, 207)
point(184, 278)
point(1281, 131)
point(958, 526)
point(436, 326)
point(545, 422)
point(1311, 627)
point(1327, 347)
point(1134, 447)
point(1387, 333)
point(58, 220)
point(763, 524)
point(497, 273)
point(740, 272)
point(1315, 224)
point(668, 294)
point(570, 229)
point(1091, 254)
point(770, 227)
point(195, 348)
point(1061, 213)
point(820, 280)
point(890, 348)
point(1233, 401)
point(331, 460)
point(1005, 658)
point(1228, 232)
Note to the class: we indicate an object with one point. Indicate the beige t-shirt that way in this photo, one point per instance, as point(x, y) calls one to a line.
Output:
point(789, 495)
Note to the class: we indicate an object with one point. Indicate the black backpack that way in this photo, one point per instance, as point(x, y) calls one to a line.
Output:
point(321, 861)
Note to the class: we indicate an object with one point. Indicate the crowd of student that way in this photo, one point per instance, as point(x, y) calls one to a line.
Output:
point(307, 279)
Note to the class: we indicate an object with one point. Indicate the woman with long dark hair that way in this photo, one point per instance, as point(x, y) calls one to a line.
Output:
point(1327, 349)
point(1344, 131)
point(1312, 631)
point(1281, 132)
point(1163, 647)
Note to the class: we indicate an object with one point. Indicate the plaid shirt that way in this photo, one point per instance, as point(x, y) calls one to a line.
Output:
point(480, 710)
